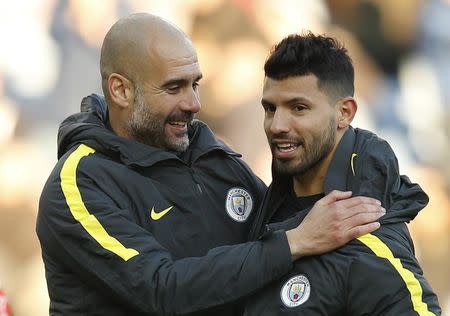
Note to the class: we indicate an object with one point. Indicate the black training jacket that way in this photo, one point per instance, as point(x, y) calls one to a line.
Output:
point(376, 274)
point(128, 229)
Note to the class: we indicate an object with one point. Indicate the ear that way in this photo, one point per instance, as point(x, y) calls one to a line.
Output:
point(121, 90)
point(347, 109)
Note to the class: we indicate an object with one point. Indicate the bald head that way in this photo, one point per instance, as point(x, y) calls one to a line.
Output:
point(133, 44)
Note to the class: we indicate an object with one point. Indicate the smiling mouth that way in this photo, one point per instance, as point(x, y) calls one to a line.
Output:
point(178, 124)
point(286, 148)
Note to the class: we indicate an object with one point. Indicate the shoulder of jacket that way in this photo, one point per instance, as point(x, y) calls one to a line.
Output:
point(373, 148)
point(83, 156)
point(365, 138)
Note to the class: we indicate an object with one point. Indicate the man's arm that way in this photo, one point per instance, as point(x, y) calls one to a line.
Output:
point(102, 244)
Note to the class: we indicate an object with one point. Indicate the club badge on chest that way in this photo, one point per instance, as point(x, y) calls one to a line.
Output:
point(239, 204)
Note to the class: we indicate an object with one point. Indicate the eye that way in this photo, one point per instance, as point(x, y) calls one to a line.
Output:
point(298, 108)
point(195, 85)
point(173, 89)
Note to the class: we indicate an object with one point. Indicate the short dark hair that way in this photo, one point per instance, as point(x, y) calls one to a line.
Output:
point(305, 54)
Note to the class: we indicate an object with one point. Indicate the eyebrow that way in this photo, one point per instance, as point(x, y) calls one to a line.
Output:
point(180, 82)
point(289, 101)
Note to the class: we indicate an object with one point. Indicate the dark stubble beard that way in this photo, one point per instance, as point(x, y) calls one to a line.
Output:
point(313, 153)
point(148, 127)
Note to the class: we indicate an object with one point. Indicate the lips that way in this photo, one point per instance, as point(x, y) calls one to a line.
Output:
point(285, 149)
point(179, 122)
point(177, 128)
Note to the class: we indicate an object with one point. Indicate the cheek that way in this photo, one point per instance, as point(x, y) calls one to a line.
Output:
point(307, 130)
point(164, 105)
point(323, 128)
point(303, 125)
point(266, 124)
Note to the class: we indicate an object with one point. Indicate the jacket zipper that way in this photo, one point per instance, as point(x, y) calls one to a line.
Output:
point(197, 183)
point(199, 188)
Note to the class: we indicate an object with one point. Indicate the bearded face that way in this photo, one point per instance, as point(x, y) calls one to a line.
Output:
point(156, 128)
point(305, 152)
point(300, 123)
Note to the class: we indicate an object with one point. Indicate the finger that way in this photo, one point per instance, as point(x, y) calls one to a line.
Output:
point(363, 217)
point(362, 230)
point(358, 201)
point(369, 209)
point(334, 196)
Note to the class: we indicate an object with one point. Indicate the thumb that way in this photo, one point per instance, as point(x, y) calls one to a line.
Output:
point(334, 196)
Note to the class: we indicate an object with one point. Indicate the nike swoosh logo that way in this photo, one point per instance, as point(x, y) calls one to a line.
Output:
point(351, 162)
point(157, 215)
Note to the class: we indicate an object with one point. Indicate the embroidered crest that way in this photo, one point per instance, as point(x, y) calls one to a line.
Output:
point(239, 204)
point(295, 291)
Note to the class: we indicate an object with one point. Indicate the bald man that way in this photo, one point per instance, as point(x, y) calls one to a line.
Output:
point(146, 211)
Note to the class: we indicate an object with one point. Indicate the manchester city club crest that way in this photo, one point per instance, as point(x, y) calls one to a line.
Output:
point(239, 204)
point(295, 291)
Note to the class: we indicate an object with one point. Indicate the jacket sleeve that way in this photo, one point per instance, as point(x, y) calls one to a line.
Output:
point(386, 278)
point(100, 242)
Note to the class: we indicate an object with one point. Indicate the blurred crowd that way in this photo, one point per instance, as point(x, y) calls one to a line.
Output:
point(49, 60)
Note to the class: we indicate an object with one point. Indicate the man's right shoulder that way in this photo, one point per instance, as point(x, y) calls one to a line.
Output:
point(81, 156)
point(79, 160)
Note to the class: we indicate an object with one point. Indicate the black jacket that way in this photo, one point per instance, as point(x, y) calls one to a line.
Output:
point(377, 274)
point(128, 229)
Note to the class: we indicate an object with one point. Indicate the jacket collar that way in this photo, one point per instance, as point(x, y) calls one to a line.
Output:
point(336, 177)
point(91, 127)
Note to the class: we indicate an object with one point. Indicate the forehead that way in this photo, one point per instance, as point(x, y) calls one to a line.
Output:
point(305, 86)
point(172, 60)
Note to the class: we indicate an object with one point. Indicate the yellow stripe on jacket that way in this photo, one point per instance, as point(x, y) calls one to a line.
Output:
point(79, 211)
point(412, 284)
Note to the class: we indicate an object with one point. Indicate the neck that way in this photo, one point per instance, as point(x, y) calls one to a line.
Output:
point(311, 182)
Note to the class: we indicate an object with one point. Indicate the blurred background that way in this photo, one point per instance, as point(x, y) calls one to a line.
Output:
point(49, 60)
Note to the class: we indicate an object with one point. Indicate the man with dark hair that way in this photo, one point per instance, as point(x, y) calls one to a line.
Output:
point(309, 105)
point(139, 212)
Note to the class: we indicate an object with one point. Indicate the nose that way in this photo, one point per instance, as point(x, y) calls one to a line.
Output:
point(279, 122)
point(192, 102)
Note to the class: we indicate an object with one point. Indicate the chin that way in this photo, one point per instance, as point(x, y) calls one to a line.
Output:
point(283, 168)
point(290, 168)
point(180, 145)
